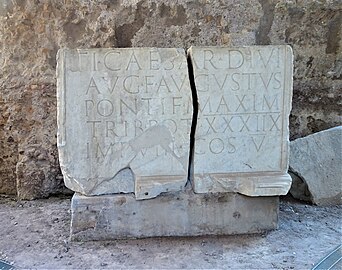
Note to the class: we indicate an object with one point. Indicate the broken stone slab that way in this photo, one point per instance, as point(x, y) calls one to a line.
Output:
point(242, 136)
point(124, 120)
point(316, 166)
point(120, 216)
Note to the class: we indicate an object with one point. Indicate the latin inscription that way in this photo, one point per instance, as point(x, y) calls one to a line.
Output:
point(124, 120)
point(240, 108)
point(132, 109)
point(124, 95)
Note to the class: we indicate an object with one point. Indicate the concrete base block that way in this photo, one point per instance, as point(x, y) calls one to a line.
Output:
point(121, 216)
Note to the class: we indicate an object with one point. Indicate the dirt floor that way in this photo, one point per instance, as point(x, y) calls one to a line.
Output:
point(34, 234)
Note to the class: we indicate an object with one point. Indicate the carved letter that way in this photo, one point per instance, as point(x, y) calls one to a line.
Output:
point(231, 146)
point(148, 105)
point(241, 102)
point(200, 83)
point(92, 85)
point(91, 102)
point(105, 107)
point(244, 123)
point(93, 129)
point(238, 59)
point(154, 62)
point(111, 88)
point(208, 56)
point(133, 109)
point(266, 103)
point(266, 84)
point(258, 145)
point(133, 60)
point(227, 122)
point(104, 154)
point(127, 88)
point(268, 58)
point(113, 61)
point(164, 85)
point(174, 105)
point(223, 83)
point(182, 83)
point(138, 126)
point(201, 109)
point(210, 123)
point(274, 122)
point(110, 129)
point(148, 83)
point(236, 82)
point(224, 104)
point(216, 146)
point(277, 78)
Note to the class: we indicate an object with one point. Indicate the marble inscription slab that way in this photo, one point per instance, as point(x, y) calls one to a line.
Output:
point(242, 135)
point(124, 120)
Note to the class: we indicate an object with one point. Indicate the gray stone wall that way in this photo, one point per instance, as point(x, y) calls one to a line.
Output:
point(31, 32)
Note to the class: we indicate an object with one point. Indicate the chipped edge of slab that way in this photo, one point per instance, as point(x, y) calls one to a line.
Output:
point(257, 184)
point(149, 186)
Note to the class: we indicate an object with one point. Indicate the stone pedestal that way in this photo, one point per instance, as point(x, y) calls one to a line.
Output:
point(118, 216)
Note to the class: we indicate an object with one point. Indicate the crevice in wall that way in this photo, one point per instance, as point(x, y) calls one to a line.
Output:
point(334, 34)
point(266, 21)
point(299, 188)
point(194, 120)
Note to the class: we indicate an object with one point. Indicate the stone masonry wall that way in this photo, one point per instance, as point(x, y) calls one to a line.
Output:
point(31, 32)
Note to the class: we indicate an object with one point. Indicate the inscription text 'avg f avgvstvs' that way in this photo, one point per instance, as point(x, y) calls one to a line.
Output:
point(242, 136)
point(124, 120)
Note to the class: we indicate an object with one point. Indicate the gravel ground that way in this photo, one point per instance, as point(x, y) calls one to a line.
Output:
point(34, 235)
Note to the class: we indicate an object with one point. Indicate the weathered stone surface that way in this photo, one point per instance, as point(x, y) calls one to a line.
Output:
point(244, 102)
point(33, 31)
point(28, 125)
point(184, 214)
point(122, 110)
point(316, 161)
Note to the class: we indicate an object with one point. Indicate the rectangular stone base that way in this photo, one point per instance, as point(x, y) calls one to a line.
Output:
point(120, 216)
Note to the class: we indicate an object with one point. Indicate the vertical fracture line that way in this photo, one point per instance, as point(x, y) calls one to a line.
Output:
point(194, 119)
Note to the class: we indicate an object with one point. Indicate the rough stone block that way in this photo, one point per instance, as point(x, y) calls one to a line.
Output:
point(124, 120)
point(178, 214)
point(316, 165)
point(242, 135)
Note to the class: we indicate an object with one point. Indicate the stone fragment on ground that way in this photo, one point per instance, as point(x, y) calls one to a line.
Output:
point(316, 167)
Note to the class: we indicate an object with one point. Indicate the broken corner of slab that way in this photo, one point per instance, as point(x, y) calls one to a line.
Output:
point(249, 184)
point(121, 216)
